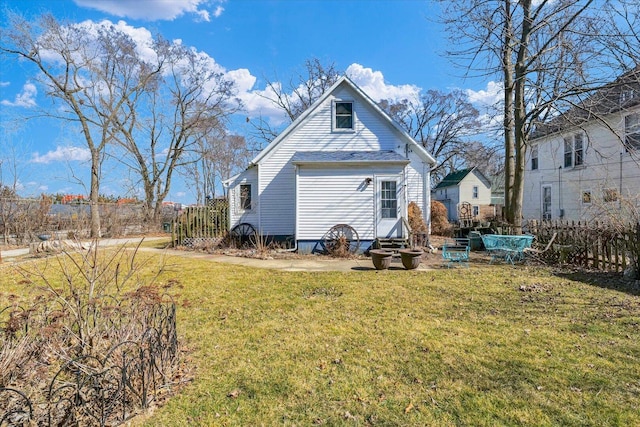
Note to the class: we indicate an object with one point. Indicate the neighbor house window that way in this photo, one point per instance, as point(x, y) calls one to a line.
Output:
point(343, 115)
point(573, 150)
point(476, 211)
point(632, 131)
point(586, 197)
point(245, 196)
point(389, 199)
point(475, 192)
point(534, 158)
point(610, 195)
point(627, 94)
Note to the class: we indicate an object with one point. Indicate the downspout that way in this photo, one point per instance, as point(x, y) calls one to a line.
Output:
point(259, 202)
point(620, 185)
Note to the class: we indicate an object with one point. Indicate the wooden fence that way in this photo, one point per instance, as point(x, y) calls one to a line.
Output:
point(595, 245)
point(201, 225)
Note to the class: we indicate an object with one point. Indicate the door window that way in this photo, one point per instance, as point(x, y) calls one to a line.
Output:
point(389, 199)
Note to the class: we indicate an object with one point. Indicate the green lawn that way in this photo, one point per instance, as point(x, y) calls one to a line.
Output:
point(485, 346)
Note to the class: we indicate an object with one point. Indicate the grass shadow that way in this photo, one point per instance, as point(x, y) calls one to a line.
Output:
point(602, 279)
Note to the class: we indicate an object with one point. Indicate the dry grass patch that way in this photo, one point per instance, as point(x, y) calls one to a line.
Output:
point(481, 346)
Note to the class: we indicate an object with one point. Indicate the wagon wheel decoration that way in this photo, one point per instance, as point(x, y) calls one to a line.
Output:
point(341, 238)
point(242, 234)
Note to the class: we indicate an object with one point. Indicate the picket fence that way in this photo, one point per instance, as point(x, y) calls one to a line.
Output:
point(594, 245)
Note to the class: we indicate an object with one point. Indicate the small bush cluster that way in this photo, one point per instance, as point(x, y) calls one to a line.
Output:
point(440, 225)
point(93, 342)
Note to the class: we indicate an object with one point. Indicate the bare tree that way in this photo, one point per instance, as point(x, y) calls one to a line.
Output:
point(443, 123)
point(163, 126)
point(543, 51)
point(218, 157)
point(89, 73)
point(297, 95)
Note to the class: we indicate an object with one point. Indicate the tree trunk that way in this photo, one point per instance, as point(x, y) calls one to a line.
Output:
point(94, 194)
point(507, 52)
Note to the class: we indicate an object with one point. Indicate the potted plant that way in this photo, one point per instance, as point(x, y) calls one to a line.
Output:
point(381, 258)
point(411, 257)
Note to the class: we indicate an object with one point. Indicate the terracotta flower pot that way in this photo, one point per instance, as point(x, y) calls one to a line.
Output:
point(381, 258)
point(411, 258)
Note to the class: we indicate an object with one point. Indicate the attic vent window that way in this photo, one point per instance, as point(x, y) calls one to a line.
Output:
point(343, 115)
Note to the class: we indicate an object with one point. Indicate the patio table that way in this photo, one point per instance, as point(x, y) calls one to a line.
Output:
point(508, 248)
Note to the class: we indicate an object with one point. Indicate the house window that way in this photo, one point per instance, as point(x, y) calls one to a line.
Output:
point(610, 195)
point(586, 197)
point(632, 131)
point(245, 196)
point(475, 192)
point(578, 150)
point(573, 150)
point(534, 158)
point(476, 211)
point(343, 119)
point(627, 94)
point(389, 199)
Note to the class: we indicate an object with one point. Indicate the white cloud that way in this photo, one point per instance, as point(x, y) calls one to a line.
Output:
point(372, 83)
point(62, 154)
point(4, 84)
point(490, 96)
point(218, 12)
point(26, 98)
point(150, 10)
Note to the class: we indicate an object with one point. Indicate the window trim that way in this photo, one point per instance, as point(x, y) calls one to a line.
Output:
point(610, 195)
point(334, 116)
point(546, 215)
point(574, 157)
point(632, 131)
point(475, 192)
point(388, 205)
point(242, 202)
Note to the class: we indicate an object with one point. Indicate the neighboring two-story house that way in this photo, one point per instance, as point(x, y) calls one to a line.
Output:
point(584, 164)
point(342, 161)
point(462, 191)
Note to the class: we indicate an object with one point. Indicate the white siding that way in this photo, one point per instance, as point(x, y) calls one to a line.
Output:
point(607, 165)
point(237, 215)
point(466, 190)
point(277, 174)
point(327, 197)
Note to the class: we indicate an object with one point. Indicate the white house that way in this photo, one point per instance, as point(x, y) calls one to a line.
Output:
point(464, 189)
point(584, 165)
point(342, 161)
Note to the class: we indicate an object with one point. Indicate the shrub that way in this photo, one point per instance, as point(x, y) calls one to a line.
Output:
point(439, 220)
point(416, 222)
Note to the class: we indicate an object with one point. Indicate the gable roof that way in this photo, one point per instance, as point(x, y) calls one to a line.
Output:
point(419, 149)
point(605, 100)
point(455, 177)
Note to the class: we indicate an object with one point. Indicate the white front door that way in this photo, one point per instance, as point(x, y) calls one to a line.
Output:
point(389, 206)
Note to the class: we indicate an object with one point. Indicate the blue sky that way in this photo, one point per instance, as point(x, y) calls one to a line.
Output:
point(391, 49)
